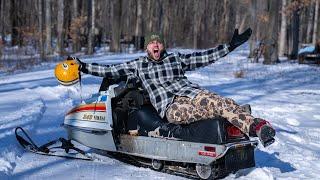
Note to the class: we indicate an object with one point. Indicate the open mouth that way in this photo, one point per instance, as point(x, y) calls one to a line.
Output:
point(156, 53)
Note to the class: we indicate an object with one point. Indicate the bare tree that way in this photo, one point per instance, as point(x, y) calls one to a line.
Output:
point(60, 21)
point(40, 28)
point(2, 18)
point(294, 9)
point(271, 39)
point(138, 28)
point(150, 9)
point(48, 27)
point(295, 33)
point(116, 25)
point(197, 22)
point(91, 25)
point(14, 23)
point(254, 19)
point(224, 21)
point(315, 24)
point(310, 22)
point(166, 23)
point(75, 26)
point(242, 16)
point(283, 29)
point(228, 22)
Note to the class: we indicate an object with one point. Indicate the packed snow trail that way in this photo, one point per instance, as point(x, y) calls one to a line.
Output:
point(286, 94)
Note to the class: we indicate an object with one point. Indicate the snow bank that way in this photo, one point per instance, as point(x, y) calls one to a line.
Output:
point(286, 94)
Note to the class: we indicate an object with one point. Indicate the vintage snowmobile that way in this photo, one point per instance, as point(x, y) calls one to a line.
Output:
point(207, 149)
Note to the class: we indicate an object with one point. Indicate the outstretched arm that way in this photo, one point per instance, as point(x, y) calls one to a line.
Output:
point(200, 59)
point(118, 70)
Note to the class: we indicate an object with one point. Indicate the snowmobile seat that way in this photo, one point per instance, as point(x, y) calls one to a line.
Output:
point(128, 83)
point(106, 82)
point(206, 131)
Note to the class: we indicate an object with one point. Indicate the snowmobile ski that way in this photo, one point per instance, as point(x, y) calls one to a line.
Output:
point(59, 147)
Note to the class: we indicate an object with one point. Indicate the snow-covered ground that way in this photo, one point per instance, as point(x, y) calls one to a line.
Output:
point(286, 94)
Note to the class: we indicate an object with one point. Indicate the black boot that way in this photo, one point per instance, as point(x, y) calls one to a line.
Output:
point(263, 130)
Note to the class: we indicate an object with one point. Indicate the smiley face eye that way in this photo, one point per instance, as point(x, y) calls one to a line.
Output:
point(65, 66)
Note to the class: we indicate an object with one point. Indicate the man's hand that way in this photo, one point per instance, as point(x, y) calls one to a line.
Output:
point(238, 39)
point(77, 60)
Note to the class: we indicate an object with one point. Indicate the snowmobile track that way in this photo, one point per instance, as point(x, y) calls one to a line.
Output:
point(143, 162)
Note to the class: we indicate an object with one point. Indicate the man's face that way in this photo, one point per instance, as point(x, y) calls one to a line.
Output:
point(154, 49)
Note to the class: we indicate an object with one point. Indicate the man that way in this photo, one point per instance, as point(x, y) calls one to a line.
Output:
point(182, 102)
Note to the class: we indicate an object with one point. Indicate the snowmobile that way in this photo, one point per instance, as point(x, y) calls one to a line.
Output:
point(206, 149)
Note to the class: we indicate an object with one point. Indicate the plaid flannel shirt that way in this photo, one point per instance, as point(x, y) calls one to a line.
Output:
point(162, 79)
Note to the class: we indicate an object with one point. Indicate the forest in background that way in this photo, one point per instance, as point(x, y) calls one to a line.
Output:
point(42, 29)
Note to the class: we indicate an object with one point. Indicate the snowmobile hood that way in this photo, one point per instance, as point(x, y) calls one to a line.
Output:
point(90, 116)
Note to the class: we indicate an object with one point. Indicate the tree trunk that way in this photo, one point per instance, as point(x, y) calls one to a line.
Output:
point(166, 23)
point(315, 24)
point(2, 11)
point(224, 23)
point(106, 21)
point(14, 24)
point(239, 18)
point(48, 27)
point(283, 29)
point(75, 17)
point(271, 45)
point(40, 28)
point(60, 34)
point(310, 22)
point(116, 25)
point(244, 24)
point(253, 39)
point(2, 34)
point(295, 34)
point(150, 16)
point(196, 24)
point(138, 30)
point(91, 25)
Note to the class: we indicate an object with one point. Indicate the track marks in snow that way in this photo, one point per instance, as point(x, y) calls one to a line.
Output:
point(293, 137)
point(23, 108)
point(5, 167)
point(25, 116)
point(316, 116)
point(30, 113)
point(293, 122)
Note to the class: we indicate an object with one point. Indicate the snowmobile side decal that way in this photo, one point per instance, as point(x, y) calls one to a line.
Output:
point(86, 120)
point(93, 117)
point(100, 107)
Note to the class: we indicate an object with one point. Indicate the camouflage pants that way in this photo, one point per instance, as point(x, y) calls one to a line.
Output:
point(206, 105)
